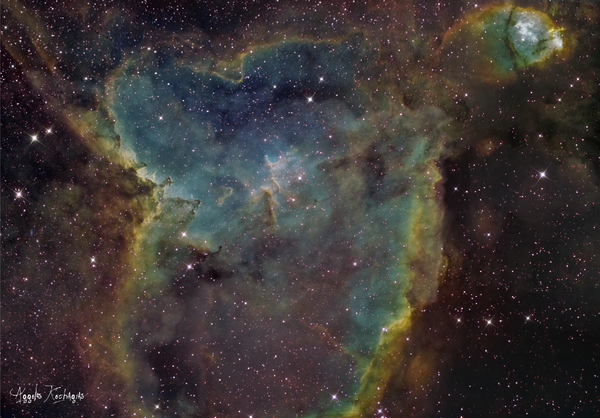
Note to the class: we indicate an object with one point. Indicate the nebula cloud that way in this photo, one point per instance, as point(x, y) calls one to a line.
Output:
point(381, 209)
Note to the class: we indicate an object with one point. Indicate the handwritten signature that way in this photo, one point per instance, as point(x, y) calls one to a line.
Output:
point(53, 395)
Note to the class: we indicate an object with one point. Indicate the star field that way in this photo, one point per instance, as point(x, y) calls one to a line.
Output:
point(299, 209)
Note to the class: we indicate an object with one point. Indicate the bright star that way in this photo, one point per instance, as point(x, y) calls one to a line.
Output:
point(543, 175)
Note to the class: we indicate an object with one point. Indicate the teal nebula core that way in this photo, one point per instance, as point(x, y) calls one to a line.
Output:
point(515, 38)
point(306, 188)
point(532, 37)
